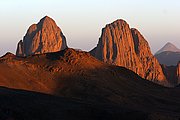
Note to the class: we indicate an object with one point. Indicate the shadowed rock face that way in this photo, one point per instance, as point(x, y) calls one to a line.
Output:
point(122, 46)
point(168, 58)
point(43, 37)
point(86, 88)
point(178, 72)
point(172, 74)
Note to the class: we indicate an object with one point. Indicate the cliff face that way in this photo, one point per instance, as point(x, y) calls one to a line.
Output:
point(43, 37)
point(151, 67)
point(116, 46)
point(126, 47)
point(178, 72)
point(172, 74)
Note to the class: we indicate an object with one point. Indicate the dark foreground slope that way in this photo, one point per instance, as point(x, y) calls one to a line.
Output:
point(88, 89)
point(24, 105)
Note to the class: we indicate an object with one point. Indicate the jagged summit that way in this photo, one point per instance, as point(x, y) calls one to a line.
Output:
point(120, 45)
point(118, 22)
point(168, 47)
point(46, 18)
point(168, 55)
point(46, 21)
point(43, 37)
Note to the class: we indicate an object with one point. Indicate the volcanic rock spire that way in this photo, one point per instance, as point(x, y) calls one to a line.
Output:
point(43, 37)
point(122, 46)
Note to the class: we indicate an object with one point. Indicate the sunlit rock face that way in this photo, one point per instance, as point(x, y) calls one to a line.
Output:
point(40, 38)
point(122, 46)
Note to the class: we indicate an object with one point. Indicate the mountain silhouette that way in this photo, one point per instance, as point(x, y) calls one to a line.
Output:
point(168, 47)
point(82, 82)
point(169, 55)
point(46, 80)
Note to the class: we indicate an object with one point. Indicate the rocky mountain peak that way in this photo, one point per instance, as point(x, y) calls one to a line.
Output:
point(168, 47)
point(168, 55)
point(47, 22)
point(123, 46)
point(43, 37)
point(118, 23)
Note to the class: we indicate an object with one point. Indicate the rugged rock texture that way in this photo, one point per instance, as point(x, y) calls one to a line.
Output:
point(178, 72)
point(151, 67)
point(43, 37)
point(116, 46)
point(87, 89)
point(122, 46)
point(172, 74)
point(20, 49)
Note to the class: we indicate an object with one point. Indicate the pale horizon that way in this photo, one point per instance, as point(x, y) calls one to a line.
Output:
point(82, 21)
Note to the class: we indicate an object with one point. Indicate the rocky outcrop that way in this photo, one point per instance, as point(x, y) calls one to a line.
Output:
point(172, 74)
point(40, 38)
point(151, 67)
point(178, 72)
point(122, 46)
point(116, 46)
point(20, 49)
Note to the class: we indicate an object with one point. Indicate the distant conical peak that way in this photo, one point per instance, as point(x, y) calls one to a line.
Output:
point(168, 47)
point(170, 44)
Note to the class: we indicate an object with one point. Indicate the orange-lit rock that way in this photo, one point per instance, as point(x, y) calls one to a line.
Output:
point(122, 46)
point(178, 72)
point(151, 66)
point(43, 37)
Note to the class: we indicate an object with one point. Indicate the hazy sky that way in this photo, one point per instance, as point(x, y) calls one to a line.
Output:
point(82, 20)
